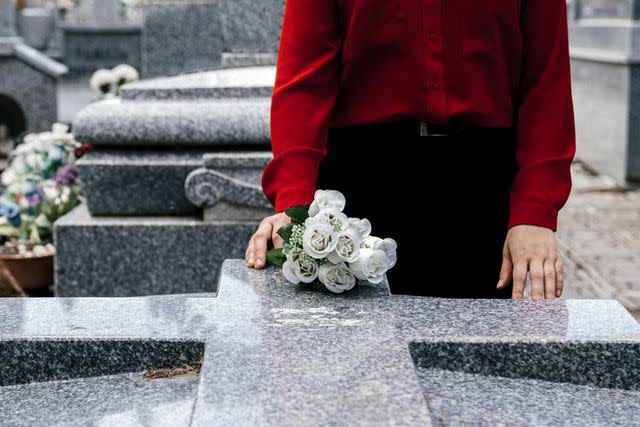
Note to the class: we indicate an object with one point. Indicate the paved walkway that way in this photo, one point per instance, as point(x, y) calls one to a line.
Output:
point(599, 235)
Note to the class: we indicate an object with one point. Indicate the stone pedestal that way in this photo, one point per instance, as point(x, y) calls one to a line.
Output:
point(605, 63)
point(172, 184)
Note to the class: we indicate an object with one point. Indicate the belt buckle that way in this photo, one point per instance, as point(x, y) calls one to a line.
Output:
point(424, 130)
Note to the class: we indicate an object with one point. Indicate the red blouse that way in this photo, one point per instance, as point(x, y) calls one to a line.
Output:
point(488, 62)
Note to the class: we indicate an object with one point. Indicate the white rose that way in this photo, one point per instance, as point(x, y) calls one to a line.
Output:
point(333, 216)
point(336, 278)
point(319, 238)
point(298, 269)
point(326, 199)
point(388, 246)
point(362, 225)
point(347, 247)
point(371, 265)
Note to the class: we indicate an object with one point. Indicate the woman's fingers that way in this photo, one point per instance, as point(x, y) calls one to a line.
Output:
point(519, 278)
point(549, 278)
point(506, 269)
point(536, 274)
point(559, 277)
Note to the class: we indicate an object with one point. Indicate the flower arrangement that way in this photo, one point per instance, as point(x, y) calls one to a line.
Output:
point(109, 82)
point(41, 184)
point(324, 247)
point(65, 6)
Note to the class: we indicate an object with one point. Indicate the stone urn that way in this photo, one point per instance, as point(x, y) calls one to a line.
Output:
point(35, 25)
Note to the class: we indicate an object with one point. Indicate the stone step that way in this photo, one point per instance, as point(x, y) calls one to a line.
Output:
point(125, 182)
point(135, 256)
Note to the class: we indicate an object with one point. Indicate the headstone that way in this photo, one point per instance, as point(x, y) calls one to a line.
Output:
point(262, 351)
point(7, 19)
point(176, 159)
point(98, 36)
point(228, 32)
point(605, 66)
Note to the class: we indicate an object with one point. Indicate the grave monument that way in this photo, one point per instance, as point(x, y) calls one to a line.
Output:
point(97, 35)
point(266, 352)
point(605, 63)
point(28, 80)
point(173, 180)
point(172, 184)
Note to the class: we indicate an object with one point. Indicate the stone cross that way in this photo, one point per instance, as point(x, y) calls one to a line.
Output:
point(282, 354)
point(7, 19)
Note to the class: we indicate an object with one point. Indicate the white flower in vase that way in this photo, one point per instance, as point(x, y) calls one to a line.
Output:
point(125, 74)
point(102, 81)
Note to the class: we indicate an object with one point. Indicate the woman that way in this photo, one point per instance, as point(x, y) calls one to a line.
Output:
point(448, 123)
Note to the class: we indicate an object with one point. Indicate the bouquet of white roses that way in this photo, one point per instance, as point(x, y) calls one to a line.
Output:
point(323, 246)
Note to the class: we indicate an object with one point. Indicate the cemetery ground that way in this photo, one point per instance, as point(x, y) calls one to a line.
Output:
point(598, 235)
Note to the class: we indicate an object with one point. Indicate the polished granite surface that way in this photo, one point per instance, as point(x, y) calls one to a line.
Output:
point(280, 354)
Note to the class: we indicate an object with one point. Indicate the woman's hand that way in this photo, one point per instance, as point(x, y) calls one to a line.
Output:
point(534, 249)
point(256, 254)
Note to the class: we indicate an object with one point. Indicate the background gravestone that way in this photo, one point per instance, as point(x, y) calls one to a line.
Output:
point(193, 35)
point(605, 64)
point(97, 36)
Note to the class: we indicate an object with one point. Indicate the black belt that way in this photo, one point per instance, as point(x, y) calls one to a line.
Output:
point(422, 128)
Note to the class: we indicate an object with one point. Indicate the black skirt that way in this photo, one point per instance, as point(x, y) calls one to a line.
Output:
point(444, 199)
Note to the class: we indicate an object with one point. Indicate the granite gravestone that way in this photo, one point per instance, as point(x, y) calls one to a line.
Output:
point(100, 37)
point(194, 34)
point(605, 65)
point(278, 354)
point(172, 184)
point(28, 80)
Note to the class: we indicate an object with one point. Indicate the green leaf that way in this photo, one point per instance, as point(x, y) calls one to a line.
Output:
point(276, 257)
point(285, 232)
point(298, 213)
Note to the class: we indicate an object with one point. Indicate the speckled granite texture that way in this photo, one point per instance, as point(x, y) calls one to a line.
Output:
point(170, 123)
point(241, 82)
point(130, 182)
point(219, 26)
point(114, 400)
point(280, 354)
point(142, 255)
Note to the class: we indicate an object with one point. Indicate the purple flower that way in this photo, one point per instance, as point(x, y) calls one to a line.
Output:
point(66, 175)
